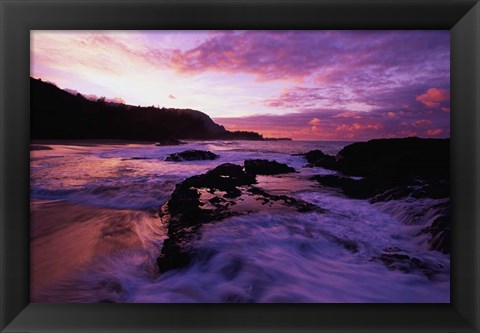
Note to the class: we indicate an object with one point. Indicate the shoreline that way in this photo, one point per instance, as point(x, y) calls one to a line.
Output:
point(100, 142)
point(68, 238)
point(86, 142)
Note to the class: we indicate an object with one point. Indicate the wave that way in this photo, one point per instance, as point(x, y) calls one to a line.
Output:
point(263, 257)
point(287, 258)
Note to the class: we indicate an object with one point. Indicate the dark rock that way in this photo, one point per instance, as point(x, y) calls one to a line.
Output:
point(192, 155)
point(440, 233)
point(396, 158)
point(225, 177)
point(169, 142)
point(266, 167)
point(301, 206)
point(318, 158)
point(353, 188)
point(392, 194)
point(206, 198)
point(185, 213)
point(437, 189)
point(393, 169)
point(407, 264)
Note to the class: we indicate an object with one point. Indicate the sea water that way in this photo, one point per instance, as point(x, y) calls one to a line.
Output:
point(268, 256)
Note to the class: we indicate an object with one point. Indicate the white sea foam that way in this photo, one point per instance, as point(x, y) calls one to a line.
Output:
point(264, 257)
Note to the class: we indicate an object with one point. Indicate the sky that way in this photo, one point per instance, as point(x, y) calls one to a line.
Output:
point(306, 85)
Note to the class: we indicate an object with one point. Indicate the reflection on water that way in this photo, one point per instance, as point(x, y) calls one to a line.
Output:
point(96, 234)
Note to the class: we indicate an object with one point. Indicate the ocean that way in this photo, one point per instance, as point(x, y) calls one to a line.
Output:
point(96, 234)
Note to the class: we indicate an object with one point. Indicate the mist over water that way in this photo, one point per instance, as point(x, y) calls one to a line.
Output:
point(98, 204)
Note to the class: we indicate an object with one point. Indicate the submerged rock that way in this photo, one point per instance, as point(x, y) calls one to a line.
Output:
point(414, 188)
point(169, 142)
point(318, 158)
point(192, 155)
point(218, 194)
point(300, 205)
point(355, 188)
point(407, 264)
point(266, 167)
point(440, 233)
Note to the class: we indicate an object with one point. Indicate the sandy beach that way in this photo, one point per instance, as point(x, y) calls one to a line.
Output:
point(67, 238)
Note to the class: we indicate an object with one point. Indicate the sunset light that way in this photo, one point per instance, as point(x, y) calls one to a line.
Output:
point(240, 167)
point(306, 85)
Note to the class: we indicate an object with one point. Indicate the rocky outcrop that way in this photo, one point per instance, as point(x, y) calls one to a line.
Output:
point(396, 158)
point(266, 167)
point(191, 155)
point(392, 169)
point(418, 189)
point(317, 158)
point(408, 264)
point(440, 233)
point(384, 189)
point(209, 197)
point(299, 205)
point(356, 189)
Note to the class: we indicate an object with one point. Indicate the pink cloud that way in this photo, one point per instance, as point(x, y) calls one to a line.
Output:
point(327, 56)
point(358, 127)
point(422, 123)
point(433, 97)
point(302, 98)
point(297, 97)
point(315, 122)
point(408, 133)
point(365, 83)
point(434, 132)
point(326, 124)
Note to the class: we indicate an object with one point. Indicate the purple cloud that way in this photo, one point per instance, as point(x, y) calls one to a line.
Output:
point(326, 55)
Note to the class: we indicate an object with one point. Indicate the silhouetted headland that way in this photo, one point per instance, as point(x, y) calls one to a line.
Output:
point(59, 114)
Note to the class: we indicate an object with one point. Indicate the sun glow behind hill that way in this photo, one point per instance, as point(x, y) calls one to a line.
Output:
point(314, 85)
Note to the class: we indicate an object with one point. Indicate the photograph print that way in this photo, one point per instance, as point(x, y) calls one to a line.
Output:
point(240, 166)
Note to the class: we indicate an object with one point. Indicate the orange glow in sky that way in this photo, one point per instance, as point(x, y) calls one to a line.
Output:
point(307, 85)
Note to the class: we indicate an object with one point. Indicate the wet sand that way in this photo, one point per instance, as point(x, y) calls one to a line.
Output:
point(67, 237)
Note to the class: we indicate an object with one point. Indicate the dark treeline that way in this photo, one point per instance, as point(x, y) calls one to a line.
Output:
point(58, 114)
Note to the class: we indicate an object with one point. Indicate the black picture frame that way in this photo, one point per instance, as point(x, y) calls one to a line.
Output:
point(18, 17)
